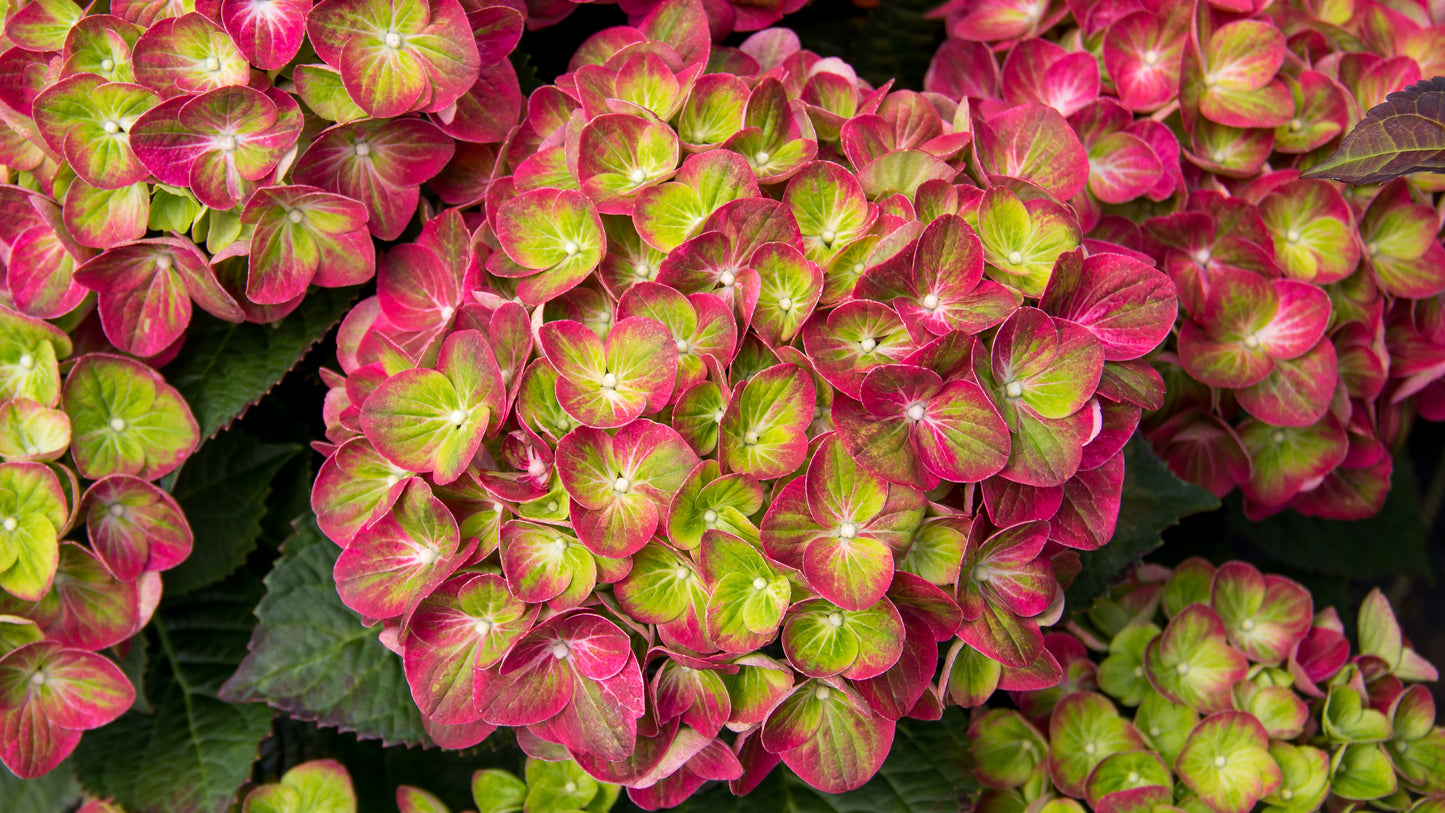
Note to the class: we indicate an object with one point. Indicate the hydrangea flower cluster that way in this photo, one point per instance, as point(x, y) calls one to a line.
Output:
point(85, 532)
point(734, 356)
point(1310, 336)
point(324, 786)
point(1217, 689)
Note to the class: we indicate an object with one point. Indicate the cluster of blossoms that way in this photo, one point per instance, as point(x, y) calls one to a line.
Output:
point(1311, 331)
point(1216, 690)
point(744, 392)
point(324, 786)
point(84, 530)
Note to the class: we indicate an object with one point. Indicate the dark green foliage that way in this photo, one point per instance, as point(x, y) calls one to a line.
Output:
point(225, 368)
point(311, 656)
point(191, 754)
point(50, 793)
point(1387, 544)
point(1153, 500)
point(224, 491)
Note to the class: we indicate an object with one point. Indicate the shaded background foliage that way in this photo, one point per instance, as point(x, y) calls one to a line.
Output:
point(247, 494)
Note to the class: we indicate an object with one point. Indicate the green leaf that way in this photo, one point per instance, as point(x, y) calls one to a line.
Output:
point(54, 791)
point(1153, 499)
point(224, 490)
point(225, 368)
point(922, 775)
point(193, 753)
point(311, 657)
point(1334, 547)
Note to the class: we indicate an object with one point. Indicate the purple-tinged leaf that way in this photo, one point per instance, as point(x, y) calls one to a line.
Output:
point(1397, 137)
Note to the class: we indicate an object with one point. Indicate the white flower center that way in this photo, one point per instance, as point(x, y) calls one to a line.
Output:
point(27, 361)
point(1138, 671)
point(1220, 761)
point(1015, 257)
point(1286, 794)
point(428, 555)
point(750, 438)
point(1292, 235)
point(726, 279)
point(762, 157)
point(164, 262)
point(835, 619)
point(1132, 778)
point(609, 381)
point(560, 650)
point(829, 236)
point(847, 530)
point(1013, 389)
point(361, 148)
point(1295, 125)
point(111, 127)
point(1201, 256)
point(483, 627)
point(213, 64)
point(1090, 748)
point(1251, 341)
point(620, 485)
point(682, 345)
point(570, 787)
point(228, 143)
point(569, 248)
point(116, 509)
point(1277, 437)
point(1217, 156)
point(294, 215)
point(785, 304)
point(867, 344)
point(117, 425)
point(392, 39)
point(458, 417)
point(1247, 624)
point(916, 412)
point(930, 302)
point(637, 176)
point(9, 524)
point(822, 693)
point(1151, 57)
point(38, 678)
point(107, 64)
point(760, 584)
point(709, 516)
point(1182, 669)
point(717, 416)
point(642, 269)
